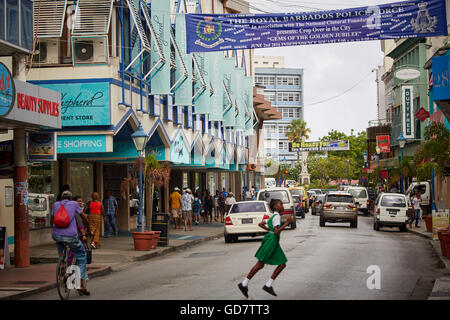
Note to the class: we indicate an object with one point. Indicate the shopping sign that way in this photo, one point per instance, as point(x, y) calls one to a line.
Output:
point(408, 117)
point(407, 19)
point(383, 143)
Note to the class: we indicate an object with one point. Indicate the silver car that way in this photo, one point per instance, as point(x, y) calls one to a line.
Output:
point(339, 207)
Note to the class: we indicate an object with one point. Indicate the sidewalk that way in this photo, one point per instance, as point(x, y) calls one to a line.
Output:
point(116, 254)
point(441, 289)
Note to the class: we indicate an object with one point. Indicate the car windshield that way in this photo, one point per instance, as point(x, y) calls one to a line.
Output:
point(250, 206)
point(320, 197)
point(296, 198)
point(296, 192)
point(358, 193)
point(339, 198)
point(318, 191)
point(275, 194)
point(393, 201)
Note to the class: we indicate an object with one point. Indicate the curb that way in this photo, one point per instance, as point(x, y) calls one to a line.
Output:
point(118, 268)
point(421, 234)
point(31, 292)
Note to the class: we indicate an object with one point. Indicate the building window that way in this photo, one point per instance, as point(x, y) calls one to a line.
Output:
point(288, 96)
point(290, 112)
point(288, 80)
point(269, 96)
point(270, 129)
point(265, 80)
point(283, 145)
point(282, 129)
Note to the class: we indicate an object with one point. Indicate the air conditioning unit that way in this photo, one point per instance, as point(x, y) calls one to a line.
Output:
point(47, 52)
point(90, 50)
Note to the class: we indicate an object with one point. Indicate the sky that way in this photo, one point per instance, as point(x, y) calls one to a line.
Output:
point(330, 70)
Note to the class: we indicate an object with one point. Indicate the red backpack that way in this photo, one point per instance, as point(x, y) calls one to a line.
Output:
point(62, 218)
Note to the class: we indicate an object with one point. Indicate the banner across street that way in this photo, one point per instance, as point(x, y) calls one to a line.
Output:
point(407, 19)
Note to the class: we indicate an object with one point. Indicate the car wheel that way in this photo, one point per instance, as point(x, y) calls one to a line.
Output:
point(403, 228)
point(235, 238)
point(228, 238)
point(377, 226)
point(354, 224)
point(303, 215)
point(322, 222)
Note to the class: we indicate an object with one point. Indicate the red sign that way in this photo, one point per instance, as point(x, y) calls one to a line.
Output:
point(384, 174)
point(383, 143)
point(422, 114)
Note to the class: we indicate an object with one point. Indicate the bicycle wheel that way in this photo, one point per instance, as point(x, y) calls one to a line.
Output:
point(61, 277)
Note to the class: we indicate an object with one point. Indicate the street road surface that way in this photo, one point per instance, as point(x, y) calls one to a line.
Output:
point(323, 263)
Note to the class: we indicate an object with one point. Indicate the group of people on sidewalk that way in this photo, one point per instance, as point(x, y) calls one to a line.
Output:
point(189, 207)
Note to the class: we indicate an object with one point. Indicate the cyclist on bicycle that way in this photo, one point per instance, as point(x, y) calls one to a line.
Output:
point(69, 236)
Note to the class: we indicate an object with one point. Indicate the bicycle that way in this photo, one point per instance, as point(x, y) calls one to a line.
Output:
point(62, 276)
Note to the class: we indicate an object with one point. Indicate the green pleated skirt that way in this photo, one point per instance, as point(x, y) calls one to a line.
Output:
point(270, 251)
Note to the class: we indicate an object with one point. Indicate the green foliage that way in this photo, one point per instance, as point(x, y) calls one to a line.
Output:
point(407, 166)
point(436, 148)
point(297, 130)
point(424, 171)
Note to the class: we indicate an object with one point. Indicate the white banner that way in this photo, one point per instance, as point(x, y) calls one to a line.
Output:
point(407, 110)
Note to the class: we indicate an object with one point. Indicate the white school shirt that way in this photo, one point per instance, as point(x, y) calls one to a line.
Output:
point(276, 221)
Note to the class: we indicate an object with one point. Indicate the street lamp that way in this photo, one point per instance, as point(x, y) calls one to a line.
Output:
point(401, 143)
point(348, 172)
point(140, 139)
point(378, 150)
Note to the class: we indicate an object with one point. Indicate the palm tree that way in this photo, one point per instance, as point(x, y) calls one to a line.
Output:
point(297, 132)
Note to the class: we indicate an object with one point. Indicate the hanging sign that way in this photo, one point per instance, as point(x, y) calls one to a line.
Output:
point(41, 146)
point(408, 116)
point(383, 143)
point(183, 94)
point(340, 145)
point(422, 114)
point(407, 19)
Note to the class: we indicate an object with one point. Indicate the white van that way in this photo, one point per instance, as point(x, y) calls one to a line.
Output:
point(361, 197)
point(391, 210)
point(285, 196)
point(425, 193)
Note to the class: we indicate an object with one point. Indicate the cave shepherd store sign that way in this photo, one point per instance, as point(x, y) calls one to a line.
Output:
point(407, 19)
point(83, 104)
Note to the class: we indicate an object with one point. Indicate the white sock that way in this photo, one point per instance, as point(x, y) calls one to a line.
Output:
point(245, 282)
point(269, 283)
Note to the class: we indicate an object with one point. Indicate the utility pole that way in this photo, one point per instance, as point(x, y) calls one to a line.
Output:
point(348, 171)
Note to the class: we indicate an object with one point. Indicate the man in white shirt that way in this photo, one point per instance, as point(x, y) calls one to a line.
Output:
point(186, 207)
point(229, 201)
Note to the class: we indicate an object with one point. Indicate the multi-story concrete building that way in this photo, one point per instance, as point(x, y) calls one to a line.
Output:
point(284, 88)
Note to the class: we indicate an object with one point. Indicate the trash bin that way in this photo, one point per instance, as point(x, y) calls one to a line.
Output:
point(160, 222)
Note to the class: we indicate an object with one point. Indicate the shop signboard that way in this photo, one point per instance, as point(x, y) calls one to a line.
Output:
point(178, 151)
point(6, 159)
point(35, 106)
point(441, 77)
point(383, 143)
point(81, 144)
point(407, 109)
point(422, 114)
point(339, 145)
point(83, 104)
point(41, 146)
point(183, 94)
point(7, 90)
point(406, 19)
point(439, 221)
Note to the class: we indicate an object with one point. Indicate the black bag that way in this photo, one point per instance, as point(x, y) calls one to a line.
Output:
point(87, 208)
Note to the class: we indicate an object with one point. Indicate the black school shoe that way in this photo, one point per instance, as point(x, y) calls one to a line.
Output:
point(243, 289)
point(269, 290)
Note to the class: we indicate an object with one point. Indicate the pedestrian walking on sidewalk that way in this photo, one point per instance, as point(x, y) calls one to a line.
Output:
point(222, 208)
point(216, 206)
point(186, 206)
point(209, 207)
point(111, 207)
point(175, 204)
point(270, 251)
point(196, 209)
point(229, 201)
point(95, 210)
point(416, 200)
point(69, 234)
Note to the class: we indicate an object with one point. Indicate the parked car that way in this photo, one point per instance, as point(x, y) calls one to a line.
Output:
point(298, 205)
point(391, 210)
point(361, 197)
point(286, 197)
point(291, 183)
point(424, 188)
point(300, 191)
point(243, 218)
point(339, 207)
point(317, 207)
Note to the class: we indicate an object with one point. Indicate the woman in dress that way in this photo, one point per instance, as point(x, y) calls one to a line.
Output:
point(270, 251)
point(95, 211)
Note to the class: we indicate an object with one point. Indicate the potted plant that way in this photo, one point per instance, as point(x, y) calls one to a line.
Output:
point(441, 233)
point(429, 222)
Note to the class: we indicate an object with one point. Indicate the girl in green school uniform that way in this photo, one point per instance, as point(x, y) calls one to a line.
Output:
point(270, 251)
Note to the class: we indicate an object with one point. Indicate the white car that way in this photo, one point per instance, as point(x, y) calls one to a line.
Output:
point(243, 219)
point(285, 196)
point(391, 210)
point(361, 197)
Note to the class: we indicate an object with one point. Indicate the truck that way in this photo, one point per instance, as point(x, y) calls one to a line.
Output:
point(424, 188)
